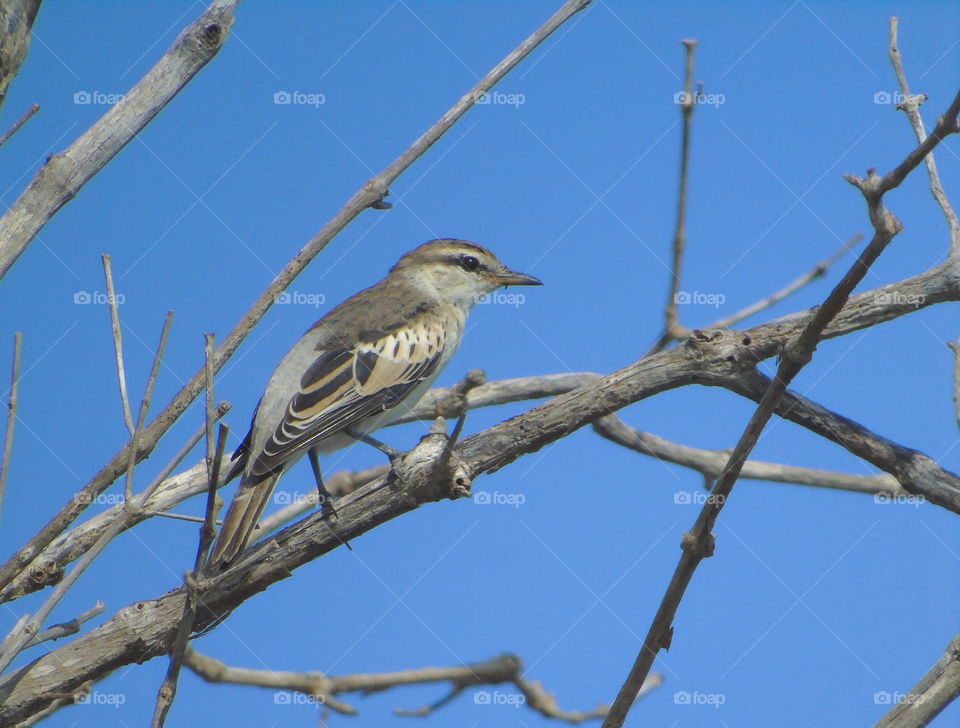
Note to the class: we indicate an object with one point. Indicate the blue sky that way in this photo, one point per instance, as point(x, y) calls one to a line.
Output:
point(816, 602)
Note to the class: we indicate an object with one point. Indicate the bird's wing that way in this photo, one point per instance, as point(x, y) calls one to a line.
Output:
point(339, 389)
point(343, 387)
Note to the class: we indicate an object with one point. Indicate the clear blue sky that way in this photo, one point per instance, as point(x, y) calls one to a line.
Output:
point(815, 602)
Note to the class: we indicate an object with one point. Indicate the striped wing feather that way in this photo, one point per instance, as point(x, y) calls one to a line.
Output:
point(344, 387)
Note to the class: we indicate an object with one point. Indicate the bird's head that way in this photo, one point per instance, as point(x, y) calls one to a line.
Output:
point(459, 271)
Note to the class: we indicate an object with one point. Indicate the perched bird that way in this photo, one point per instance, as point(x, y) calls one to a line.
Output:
point(360, 367)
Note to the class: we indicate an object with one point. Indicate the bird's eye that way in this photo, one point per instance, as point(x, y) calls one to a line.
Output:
point(469, 263)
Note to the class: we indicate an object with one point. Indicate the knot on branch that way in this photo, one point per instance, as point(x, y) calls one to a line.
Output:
point(730, 346)
point(375, 191)
point(43, 573)
point(701, 547)
point(435, 465)
point(212, 35)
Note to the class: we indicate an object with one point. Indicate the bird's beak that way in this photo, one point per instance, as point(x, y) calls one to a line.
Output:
point(508, 277)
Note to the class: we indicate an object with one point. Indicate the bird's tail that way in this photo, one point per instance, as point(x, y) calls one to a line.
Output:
point(241, 519)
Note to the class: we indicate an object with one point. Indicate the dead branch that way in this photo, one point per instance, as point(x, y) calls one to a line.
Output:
point(935, 691)
point(370, 195)
point(698, 543)
point(65, 174)
point(709, 463)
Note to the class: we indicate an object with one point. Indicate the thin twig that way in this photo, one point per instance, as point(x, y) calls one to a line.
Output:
point(818, 271)
point(117, 343)
point(145, 404)
point(698, 543)
point(47, 569)
point(709, 463)
point(367, 196)
point(911, 107)
point(504, 669)
point(11, 416)
point(955, 348)
point(65, 629)
point(672, 329)
point(168, 689)
point(17, 640)
point(19, 123)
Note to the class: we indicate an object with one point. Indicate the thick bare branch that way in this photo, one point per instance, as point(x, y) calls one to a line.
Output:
point(64, 174)
point(917, 473)
point(935, 691)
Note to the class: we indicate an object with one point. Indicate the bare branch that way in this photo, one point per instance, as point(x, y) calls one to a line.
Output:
point(709, 463)
point(916, 472)
point(145, 403)
point(935, 691)
point(11, 416)
point(65, 629)
point(18, 124)
point(370, 195)
point(168, 689)
point(672, 330)
point(148, 628)
point(911, 107)
point(698, 544)
point(64, 174)
point(505, 669)
point(117, 343)
point(715, 359)
point(818, 271)
point(955, 348)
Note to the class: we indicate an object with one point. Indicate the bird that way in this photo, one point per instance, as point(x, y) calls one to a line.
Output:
point(363, 365)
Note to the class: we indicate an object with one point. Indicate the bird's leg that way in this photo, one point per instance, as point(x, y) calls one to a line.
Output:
point(323, 494)
point(390, 452)
point(326, 500)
